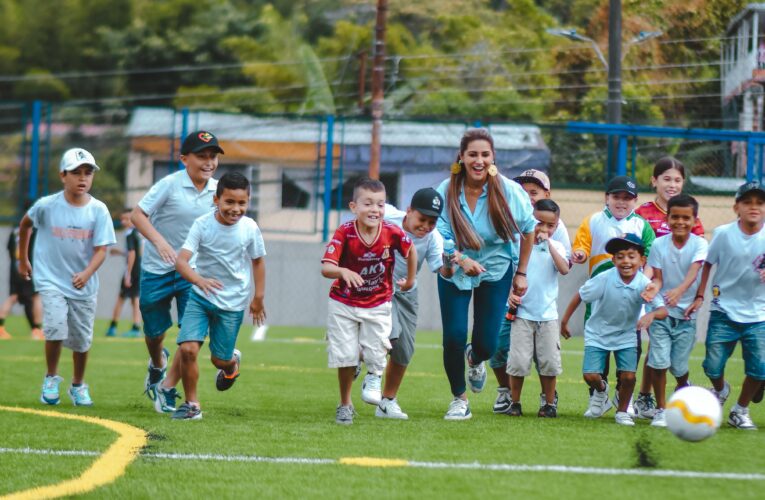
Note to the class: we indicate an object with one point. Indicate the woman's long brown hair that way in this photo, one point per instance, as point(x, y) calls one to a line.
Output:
point(499, 210)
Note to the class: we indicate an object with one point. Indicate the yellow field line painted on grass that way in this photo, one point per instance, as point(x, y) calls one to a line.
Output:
point(373, 462)
point(104, 470)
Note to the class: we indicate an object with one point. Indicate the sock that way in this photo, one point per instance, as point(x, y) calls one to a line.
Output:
point(113, 323)
point(36, 325)
point(2, 321)
point(645, 394)
point(738, 408)
point(136, 326)
point(76, 385)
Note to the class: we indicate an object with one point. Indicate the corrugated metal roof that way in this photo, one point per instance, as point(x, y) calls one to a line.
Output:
point(749, 9)
point(161, 122)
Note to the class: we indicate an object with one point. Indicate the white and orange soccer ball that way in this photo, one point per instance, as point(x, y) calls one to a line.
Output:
point(693, 413)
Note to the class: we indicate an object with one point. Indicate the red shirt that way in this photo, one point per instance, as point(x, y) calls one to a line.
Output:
point(657, 218)
point(373, 262)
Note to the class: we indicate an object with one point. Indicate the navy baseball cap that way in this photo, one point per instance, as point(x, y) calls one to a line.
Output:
point(198, 141)
point(428, 202)
point(625, 242)
point(622, 184)
point(750, 187)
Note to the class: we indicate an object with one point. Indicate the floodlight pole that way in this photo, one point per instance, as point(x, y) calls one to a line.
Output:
point(378, 79)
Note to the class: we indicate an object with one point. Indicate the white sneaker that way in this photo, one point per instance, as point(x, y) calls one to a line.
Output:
point(645, 406)
point(624, 418)
point(630, 406)
point(740, 419)
point(503, 401)
point(599, 403)
point(659, 419)
point(476, 373)
point(722, 396)
point(389, 408)
point(371, 389)
point(459, 409)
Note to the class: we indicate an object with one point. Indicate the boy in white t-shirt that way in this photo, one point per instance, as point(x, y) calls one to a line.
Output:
point(229, 254)
point(73, 231)
point(676, 259)
point(738, 302)
point(617, 296)
point(419, 223)
point(535, 328)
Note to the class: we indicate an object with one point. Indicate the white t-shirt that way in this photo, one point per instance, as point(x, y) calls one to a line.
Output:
point(736, 287)
point(616, 308)
point(674, 264)
point(173, 204)
point(225, 253)
point(540, 301)
point(66, 237)
point(430, 247)
point(561, 235)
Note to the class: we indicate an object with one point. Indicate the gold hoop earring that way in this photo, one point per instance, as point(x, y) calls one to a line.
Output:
point(492, 170)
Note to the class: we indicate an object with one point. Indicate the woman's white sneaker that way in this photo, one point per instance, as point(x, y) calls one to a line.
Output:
point(459, 409)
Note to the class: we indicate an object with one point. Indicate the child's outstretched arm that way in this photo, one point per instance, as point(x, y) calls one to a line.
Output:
point(144, 226)
point(699, 300)
point(575, 301)
point(25, 233)
point(99, 256)
point(257, 307)
point(411, 271)
point(333, 272)
point(207, 285)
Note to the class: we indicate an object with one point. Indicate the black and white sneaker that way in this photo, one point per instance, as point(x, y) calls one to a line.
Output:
point(515, 410)
point(503, 401)
point(548, 411)
point(740, 419)
point(543, 400)
point(223, 381)
point(389, 408)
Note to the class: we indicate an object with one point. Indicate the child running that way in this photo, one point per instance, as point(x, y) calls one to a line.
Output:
point(738, 302)
point(617, 297)
point(360, 258)
point(535, 328)
point(229, 253)
point(675, 259)
point(73, 232)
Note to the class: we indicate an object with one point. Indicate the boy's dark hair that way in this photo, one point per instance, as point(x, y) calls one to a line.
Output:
point(232, 180)
point(367, 184)
point(667, 163)
point(547, 205)
point(683, 200)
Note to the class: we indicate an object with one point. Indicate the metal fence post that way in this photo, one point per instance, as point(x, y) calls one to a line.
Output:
point(184, 131)
point(621, 157)
point(34, 162)
point(328, 153)
point(750, 152)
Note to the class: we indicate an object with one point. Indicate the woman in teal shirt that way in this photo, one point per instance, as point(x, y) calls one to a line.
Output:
point(491, 221)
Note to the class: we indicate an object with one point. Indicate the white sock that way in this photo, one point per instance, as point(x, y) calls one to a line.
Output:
point(739, 409)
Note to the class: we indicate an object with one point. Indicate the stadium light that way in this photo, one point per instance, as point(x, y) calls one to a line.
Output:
point(572, 35)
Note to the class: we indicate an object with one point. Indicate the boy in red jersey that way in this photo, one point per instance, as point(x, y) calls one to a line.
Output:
point(360, 259)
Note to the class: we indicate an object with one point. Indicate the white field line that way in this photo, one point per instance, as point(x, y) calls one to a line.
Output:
point(564, 469)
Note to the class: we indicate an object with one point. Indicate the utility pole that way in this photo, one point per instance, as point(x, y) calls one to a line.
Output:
point(614, 105)
point(378, 79)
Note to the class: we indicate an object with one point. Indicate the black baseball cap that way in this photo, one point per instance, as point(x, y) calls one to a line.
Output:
point(622, 184)
point(199, 140)
point(750, 187)
point(625, 242)
point(428, 202)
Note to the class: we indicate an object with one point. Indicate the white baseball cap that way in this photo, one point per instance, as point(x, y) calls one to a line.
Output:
point(75, 157)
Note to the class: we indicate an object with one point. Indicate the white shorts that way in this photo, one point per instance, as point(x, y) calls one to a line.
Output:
point(352, 328)
point(534, 340)
point(68, 320)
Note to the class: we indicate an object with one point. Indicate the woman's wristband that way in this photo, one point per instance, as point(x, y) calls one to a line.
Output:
point(520, 273)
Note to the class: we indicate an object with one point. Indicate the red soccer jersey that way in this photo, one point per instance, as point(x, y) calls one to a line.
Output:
point(373, 262)
point(657, 218)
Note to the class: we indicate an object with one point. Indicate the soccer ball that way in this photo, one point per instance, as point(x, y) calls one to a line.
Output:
point(693, 413)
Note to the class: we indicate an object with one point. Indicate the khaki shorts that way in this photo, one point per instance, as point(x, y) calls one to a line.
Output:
point(350, 329)
point(68, 320)
point(537, 340)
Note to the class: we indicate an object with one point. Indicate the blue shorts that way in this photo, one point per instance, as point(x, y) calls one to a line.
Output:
point(595, 359)
point(671, 344)
point(722, 336)
point(201, 317)
point(157, 293)
point(499, 360)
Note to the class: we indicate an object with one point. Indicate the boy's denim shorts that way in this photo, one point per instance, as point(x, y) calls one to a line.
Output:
point(595, 359)
point(671, 344)
point(203, 317)
point(157, 293)
point(722, 336)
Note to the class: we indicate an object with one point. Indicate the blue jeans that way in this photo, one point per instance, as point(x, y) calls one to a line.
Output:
point(722, 336)
point(672, 341)
point(499, 360)
point(595, 359)
point(201, 317)
point(157, 293)
point(488, 311)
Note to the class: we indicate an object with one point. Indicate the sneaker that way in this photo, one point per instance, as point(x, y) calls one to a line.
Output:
point(164, 399)
point(624, 418)
point(371, 389)
point(599, 403)
point(155, 375)
point(503, 401)
point(543, 400)
point(344, 415)
point(37, 334)
point(630, 406)
point(515, 410)
point(111, 331)
point(645, 406)
point(722, 396)
point(659, 419)
point(80, 395)
point(224, 382)
point(4, 335)
point(133, 333)
point(187, 411)
point(459, 409)
point(477, 373)
point(548, 411)
point(50, 395)
point(740, 419)
point(757, 398)
point(389, 408)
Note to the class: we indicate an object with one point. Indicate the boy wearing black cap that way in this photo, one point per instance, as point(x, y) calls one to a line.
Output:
point(419, 223)
point(617, 296)
point(164, 216)
point(738, 302)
